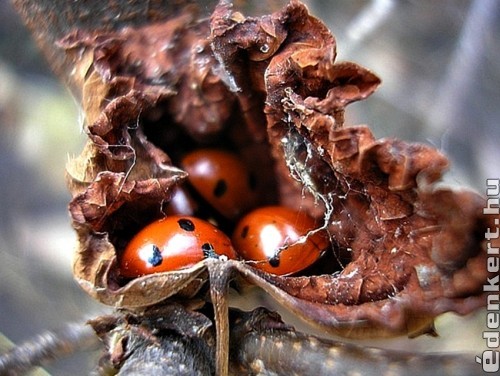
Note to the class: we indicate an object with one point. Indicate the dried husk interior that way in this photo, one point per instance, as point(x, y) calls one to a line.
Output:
point(408, 248)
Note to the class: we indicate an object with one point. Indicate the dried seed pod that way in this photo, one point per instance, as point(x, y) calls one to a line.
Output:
point(389, 226)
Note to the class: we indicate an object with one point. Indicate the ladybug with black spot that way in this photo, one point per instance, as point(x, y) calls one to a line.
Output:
point(173, 243)
point(222, 180)
point(279, 240)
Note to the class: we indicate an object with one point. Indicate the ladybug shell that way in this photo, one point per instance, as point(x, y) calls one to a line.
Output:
point(181, 203)
point(173, 243)
point(223, 180)
point(271, 236)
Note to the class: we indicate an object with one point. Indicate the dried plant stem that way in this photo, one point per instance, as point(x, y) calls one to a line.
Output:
point(285, 353)
point(47, 347)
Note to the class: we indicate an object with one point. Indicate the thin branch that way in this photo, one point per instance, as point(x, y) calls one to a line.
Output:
point(47, 347)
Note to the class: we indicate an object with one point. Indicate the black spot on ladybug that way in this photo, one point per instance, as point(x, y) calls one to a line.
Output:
point(244, 232)
point(186, 224)
point(156, 258)
point(274, 261)
point(220, 188)
point(209, 251)
point(252, 181)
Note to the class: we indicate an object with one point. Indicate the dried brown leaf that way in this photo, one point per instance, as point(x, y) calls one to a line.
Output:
point(268, 85)
point(406, 243)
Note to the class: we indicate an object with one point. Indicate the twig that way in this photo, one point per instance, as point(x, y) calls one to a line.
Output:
point(47, 347)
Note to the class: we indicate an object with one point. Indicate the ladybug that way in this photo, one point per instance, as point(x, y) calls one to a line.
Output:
point(173, 243)
point(181, 203)
point(222, 180)
point(276, 239)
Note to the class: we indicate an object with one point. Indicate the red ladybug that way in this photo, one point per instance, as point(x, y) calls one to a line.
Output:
point(275, 237)
point(173, 243)
point(223, 181)
point(181, 203)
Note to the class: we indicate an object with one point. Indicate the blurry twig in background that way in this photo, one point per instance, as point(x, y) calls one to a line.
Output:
point(453, 89)
point(47, 347)
point(367, 21)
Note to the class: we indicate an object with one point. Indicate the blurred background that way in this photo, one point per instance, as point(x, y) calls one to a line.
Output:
point(440, 66)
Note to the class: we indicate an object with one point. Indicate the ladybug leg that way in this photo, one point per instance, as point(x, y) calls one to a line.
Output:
point(220, 273)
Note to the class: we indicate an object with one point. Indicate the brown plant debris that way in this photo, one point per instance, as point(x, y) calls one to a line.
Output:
point(172, 338)
point(260, 341)
point(403, 248)
point(165, 340)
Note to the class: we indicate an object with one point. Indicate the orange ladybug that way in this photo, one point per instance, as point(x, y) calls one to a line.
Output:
point(173, 243)
point(279, 240)
point(222, 180)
